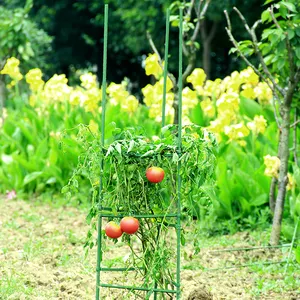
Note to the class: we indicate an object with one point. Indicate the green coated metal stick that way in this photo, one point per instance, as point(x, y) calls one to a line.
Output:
point(138, 216)
point(245, 265)
point(178, 229)
point(136, 288)
point(157, 243)
point(163, 120)
point(99, 239)
point(121, 269)
point(292, 245)
point(249, 248)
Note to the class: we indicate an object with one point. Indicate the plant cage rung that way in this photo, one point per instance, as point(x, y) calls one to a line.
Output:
point(136, 288)
point(106, 269)
point(105, 215)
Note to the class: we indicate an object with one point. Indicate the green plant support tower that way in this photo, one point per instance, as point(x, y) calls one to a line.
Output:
point(154, 291)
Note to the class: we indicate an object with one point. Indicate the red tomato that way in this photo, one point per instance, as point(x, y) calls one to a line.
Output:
point(155, 174)
point(129, 225)
point(113, 230)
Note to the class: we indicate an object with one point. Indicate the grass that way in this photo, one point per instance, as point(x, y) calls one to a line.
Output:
point(42, 257)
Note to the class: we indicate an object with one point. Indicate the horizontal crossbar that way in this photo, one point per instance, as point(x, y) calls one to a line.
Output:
point(120, 269)
point(139, 216)
point(136, 288)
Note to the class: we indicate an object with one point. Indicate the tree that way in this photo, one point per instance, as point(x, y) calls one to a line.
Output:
point(278, 53)
point(20, 37)
point(77, 28)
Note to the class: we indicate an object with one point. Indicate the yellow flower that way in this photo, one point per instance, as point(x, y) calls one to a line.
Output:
point(272, 164)
point(248, 91)
point(117, 93)
point(236, 131)
point(93, 126)
point(77, 96)
point(33, 100)
point(197, 78)
point(231, 83)
point(93, 97)
point(217, 126)
point(263, 93)
point(56, 89)
point(89, 81)
point(228, 102)
point(211, 88)
point(208, 107)
point(130, 104)
point(258, 125)
point(152, 66)
point(153, 94)
point(249, 76)
point(34, 79)
point(11, 68)
point(242, 143)
point(189, 97)
point(291, 182)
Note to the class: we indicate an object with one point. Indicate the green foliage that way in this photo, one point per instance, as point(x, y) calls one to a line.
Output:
point(20, 37)
point(125, 190)
point(275, 38)
point(127, 159)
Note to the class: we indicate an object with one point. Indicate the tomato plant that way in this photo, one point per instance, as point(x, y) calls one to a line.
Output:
point(113, 230)
point(129, 225)
point(155, 174)
point(128, 192)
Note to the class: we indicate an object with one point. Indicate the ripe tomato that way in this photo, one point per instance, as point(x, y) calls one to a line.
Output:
point(113, 230)
point(155, 174)
point(129, 225)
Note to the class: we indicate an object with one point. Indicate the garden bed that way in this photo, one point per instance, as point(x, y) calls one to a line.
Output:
point(42, 257)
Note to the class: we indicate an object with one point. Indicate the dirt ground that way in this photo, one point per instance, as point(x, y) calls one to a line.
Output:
point(42, 257)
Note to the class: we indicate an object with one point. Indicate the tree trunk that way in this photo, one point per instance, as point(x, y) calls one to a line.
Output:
point(206, 39)
point(283, 151)
point(272, 194)
point(175, 106)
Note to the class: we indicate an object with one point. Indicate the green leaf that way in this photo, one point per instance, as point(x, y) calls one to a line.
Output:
point(65, 189)
point(51, 180)
point(182, 239)
point(268, 1)
point(175, 158)
point(7, 159)
point(289, 6)
point(131, 145)
point(118, 148)
point(291, 33)
point(150, 152)
point(75, 182)
point(297, 51)
point(266, 16)
point(249, 107)
point(31, 177)
point(260, 200)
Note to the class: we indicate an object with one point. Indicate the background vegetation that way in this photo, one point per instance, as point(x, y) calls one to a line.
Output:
point(48, 119)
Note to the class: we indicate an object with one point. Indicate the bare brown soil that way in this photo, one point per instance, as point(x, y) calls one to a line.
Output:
point(42, 257)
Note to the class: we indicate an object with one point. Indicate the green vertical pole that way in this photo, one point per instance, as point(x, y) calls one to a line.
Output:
point(99, 240)
point(163, 120)
point(178, 225)
point(292, 245)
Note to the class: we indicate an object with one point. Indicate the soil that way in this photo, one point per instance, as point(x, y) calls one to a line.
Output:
point(41, 252)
